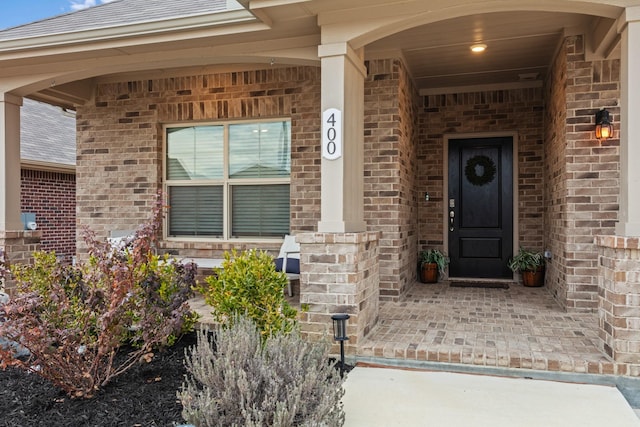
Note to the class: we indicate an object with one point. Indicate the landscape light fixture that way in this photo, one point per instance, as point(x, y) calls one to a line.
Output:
point(604, 128)
point(340, 334)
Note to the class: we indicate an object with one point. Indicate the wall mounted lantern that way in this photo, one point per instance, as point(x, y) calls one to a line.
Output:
point(340, 334)
point(604, 128)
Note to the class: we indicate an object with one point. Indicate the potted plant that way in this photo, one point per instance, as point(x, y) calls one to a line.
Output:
point(432, 264)
point(531, 265)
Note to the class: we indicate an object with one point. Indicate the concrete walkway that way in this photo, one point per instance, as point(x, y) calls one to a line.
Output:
point(395, 397)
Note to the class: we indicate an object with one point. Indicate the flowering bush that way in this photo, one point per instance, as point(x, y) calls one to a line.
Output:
point(75, 320)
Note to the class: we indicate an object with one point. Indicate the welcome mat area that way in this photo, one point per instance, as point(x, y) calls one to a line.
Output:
point(488, 285)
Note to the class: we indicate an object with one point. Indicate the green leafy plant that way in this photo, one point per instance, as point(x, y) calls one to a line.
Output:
point(526, 260)
point(236, 377)
point(74, 320)
point(248, 284)
point(434, 256)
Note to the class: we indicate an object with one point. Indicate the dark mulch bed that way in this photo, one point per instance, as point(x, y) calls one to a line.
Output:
point(144, 396)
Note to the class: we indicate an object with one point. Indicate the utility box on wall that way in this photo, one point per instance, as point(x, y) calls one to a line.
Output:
point(29, 220)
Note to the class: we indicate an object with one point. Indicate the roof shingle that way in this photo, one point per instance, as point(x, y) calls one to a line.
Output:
point(117, 13)
point(47, 134)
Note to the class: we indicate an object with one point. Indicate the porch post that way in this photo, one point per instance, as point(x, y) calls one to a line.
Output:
point(342, 179)
point(10, 162)
point(629, 215)
point(339, 265)
point(16, 243)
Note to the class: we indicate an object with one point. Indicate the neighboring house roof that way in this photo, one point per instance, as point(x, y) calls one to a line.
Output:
point(47, 136)
point(118, 13)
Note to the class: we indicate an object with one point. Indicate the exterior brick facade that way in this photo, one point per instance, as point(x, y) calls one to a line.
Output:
point(339, 274)
point(120, 142)
point(517, 110)
point(581, 173)
point(555, 170)
point(566, 188)
point(16, 248)
point(132, 114)
point(52, 197)
point(390, 171)
point(619, 298)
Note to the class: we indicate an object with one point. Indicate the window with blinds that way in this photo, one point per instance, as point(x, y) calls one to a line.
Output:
point(229, 180)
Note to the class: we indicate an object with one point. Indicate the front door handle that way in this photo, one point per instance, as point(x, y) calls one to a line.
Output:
point(452, 215)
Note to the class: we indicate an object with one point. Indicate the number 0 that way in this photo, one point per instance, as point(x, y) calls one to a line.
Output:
point(332, 134)
point(331, 147)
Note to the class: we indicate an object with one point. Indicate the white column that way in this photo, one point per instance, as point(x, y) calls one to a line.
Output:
point(10, 162)
point(629, 218)
point(342, 180)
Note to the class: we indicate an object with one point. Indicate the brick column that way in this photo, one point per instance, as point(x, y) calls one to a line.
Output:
point(619, 297)
point(339, 274)
point(18, 246)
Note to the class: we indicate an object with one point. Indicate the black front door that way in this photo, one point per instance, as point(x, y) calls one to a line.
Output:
point(480, 207)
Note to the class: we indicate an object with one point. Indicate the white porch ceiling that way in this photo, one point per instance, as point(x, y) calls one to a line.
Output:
point(520, 46)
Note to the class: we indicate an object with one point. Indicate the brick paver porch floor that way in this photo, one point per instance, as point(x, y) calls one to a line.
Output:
point(511, 328)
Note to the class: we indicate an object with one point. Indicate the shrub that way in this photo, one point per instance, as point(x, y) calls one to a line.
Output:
point(249, 284)
point(74, 319)
point(237, 379)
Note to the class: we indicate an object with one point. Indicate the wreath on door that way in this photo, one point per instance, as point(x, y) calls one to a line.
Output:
point(487, 170)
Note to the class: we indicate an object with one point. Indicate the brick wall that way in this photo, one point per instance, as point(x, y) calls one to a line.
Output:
point(619, 298)
point(339, 274)
point(555, 170)
point(519, 110)
point(582, 173)
point(52, 197)
point(120, 151)
point(390, 171)
point(120, 141)
point(16, 247)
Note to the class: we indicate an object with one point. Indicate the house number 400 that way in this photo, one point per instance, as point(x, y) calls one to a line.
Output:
point(332, 134)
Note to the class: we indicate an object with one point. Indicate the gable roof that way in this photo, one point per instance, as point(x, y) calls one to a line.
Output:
point(47, 135)
point(118, 13)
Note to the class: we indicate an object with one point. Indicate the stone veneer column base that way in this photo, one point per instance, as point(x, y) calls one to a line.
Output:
point(18, 247)
point(619, 297)
point(339, 273)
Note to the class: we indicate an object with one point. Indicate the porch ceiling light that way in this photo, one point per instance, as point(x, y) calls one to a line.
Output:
point(478, 47)
point(604, 128)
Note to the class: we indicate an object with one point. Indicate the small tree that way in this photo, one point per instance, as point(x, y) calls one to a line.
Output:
point(249, 284)
point(236, 377)
point(73, 320)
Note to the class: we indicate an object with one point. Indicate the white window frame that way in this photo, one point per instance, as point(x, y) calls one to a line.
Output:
point(226, 182)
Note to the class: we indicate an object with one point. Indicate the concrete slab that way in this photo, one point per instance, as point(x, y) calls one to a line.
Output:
point(394, 397)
